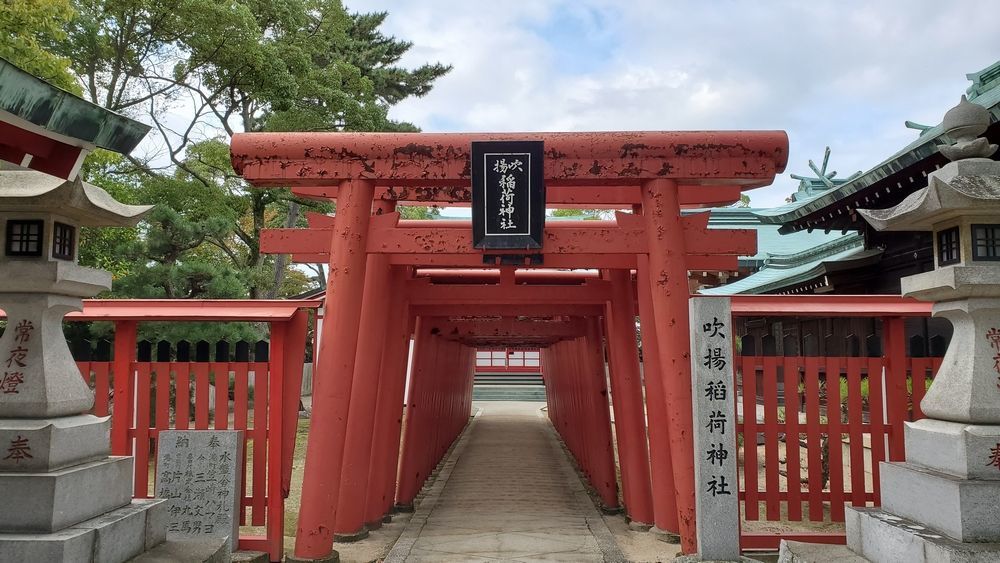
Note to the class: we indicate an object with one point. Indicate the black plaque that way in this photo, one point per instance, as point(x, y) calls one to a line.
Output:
point(508, 194)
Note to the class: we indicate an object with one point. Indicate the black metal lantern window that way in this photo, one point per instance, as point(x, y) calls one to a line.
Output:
point(63, 237)
point(986, 242)
point(948, 247)
point(24, 237)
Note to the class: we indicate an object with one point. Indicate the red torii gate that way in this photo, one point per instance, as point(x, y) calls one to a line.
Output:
point(373, 292)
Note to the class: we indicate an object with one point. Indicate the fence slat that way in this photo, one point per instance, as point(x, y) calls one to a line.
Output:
point(102, 387)
point(142, 430)
point(876, 417)
point(751, 508)
point(918, 384)
point(855, 416)
point(813, 439)
point(161, 372)
point(201, 396)
point(241, 408)
point(182, 414)
point(221, 400)
point(836, 444)
point(771, 482)
point(793, 478)
point(260, 403)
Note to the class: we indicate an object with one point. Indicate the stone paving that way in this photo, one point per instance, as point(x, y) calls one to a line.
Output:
point(507, 493)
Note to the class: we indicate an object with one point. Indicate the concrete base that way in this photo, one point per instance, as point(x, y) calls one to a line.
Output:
point(665, 536)
point(212, 550)
point(611, 510)
point(47, 502)
point(110, 538)
point(802, 552)
point(56, 442)
point(639, 526)
point(884, 538)
point(350, 538)
point(372, 526)
point(955, 448)
point(332, 558)
point(403, 508)
point(965, 510)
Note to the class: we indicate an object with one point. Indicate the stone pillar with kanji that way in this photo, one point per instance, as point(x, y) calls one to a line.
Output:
point(943, 502)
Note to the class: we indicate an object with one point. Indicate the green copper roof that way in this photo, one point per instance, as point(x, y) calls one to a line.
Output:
point(53, 109)
point(985, 91)
point(782, 271)
point(770, 242)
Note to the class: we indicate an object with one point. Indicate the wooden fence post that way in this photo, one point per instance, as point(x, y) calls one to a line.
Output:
point(125, 341)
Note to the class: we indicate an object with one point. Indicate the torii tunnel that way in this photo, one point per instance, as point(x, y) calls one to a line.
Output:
point(391, 280)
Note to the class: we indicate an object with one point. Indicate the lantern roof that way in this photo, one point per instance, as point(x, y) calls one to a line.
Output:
point(90, 206)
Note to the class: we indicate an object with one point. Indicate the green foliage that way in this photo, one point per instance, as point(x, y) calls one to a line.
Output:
point(418, 212)
point(199, 71)
point(103, 247)
point(227, 66)
point(585, 214)
point(29, 31)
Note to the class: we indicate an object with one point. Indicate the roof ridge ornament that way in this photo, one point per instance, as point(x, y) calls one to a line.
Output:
point(811, 186)
point(965, 123)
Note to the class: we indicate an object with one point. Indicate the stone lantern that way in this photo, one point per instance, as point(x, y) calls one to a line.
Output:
point(64, 498)
point(943, 502)
point(40, 281)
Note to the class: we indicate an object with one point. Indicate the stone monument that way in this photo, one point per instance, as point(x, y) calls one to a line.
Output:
point(943, 502)
point(198, 473)
point(715, 425)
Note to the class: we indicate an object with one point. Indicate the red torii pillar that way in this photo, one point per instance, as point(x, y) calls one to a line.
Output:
point(626, 396)
point(668, 281)
point(661, 467)
point(332, 393)
point(389, 409)
point(604, 468)
point(359, 442)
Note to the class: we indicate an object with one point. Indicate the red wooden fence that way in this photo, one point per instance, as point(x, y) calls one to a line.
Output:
point(176, 395)
point(811, 437)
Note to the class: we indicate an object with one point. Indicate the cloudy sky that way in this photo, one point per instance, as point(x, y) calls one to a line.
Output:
point(844, 74)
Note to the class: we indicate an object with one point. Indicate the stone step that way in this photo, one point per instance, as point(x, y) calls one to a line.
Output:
point(531, 393)
point(803, 552)
point(882, 537)
point(47, 502)
point(113, 537)
point(211, 550)
point(964, 509)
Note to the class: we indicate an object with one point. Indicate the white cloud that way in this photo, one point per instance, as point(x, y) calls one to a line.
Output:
point(845, 74)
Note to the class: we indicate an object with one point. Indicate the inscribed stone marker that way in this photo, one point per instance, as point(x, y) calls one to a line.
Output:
point(717, 499)
point(198, 471)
